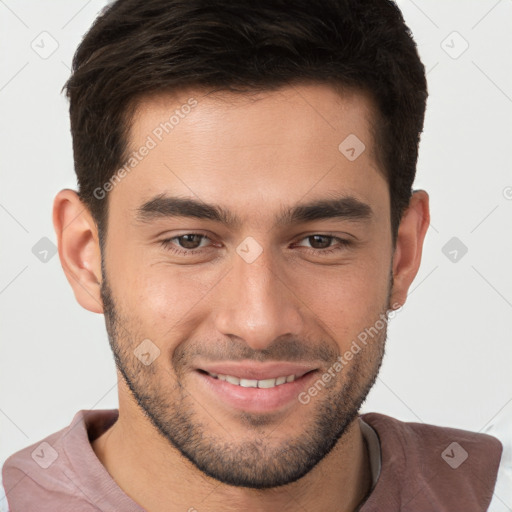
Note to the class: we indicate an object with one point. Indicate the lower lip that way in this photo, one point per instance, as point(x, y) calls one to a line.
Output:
point(256, 400)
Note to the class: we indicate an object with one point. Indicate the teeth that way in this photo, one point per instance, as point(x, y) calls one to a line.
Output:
point(268, 383)
point(252, 383)
point(233, 380)
point(248, 383)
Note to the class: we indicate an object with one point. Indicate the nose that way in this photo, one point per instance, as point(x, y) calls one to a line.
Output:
point(257, 304)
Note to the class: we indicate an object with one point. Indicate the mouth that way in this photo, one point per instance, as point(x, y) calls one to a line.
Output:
point(254, 383)
point(256, 388)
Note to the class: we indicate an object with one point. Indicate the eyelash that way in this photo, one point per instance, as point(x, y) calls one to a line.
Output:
point(342, 244)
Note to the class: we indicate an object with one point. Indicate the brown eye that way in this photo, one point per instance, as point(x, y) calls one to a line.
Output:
point(320, 241)
point(188, 244)
point(190, 241)
point(324, 245)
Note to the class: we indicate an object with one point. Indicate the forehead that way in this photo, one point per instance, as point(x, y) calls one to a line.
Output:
point(250, 149)
point(314, 114)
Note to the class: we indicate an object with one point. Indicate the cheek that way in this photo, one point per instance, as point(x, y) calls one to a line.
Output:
point(344, 301)
point(160, 298)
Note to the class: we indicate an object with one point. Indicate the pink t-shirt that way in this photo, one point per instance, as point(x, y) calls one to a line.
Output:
point(423, 468)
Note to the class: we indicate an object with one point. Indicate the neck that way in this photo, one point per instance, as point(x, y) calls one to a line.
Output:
point(156, 476)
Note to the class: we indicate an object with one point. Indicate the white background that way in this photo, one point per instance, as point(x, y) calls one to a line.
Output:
point(449, 350)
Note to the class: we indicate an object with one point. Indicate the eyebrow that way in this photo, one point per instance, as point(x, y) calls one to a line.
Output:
point(345, 207)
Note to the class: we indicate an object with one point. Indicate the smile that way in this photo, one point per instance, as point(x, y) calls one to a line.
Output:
point(254, 387)
point(253, 383)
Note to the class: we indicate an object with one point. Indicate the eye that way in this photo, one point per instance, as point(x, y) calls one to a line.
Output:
point(190, 240)
point(183, 244)
point(320, 241)
point(323, 244)
point(190, 244)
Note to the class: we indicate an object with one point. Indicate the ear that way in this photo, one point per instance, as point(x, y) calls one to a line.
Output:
point(407, 256)
point(79, 248)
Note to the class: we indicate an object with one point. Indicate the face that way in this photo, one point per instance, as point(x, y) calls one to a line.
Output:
point(245, 254)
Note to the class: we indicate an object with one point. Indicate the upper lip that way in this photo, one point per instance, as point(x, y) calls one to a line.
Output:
point(257, 371)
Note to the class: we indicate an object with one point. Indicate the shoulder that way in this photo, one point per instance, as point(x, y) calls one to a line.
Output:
point(30, 474)
point(420, 435)
point(46, 472)
point(428, 464)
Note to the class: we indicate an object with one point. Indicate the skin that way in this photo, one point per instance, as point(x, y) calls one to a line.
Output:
point(254, 156)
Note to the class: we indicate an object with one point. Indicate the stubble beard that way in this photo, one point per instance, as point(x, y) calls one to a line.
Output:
point(254, 462)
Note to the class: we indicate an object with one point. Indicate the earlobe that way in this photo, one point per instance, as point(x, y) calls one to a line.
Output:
point(411, 234)
point(79, 249)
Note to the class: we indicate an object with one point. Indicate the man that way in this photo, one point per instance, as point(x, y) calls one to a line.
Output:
point(245, 221)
